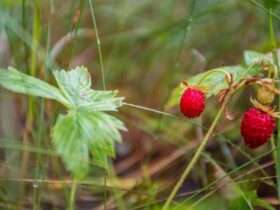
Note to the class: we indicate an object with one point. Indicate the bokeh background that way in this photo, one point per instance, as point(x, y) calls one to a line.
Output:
point(148, 48)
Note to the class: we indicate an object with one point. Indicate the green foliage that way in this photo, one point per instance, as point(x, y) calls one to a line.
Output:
point(270, 4)
point(76, 87)
point(213, 81)
point(86, 130)
point(251, 57)
point(212, 202)
point(239, 203)
point(10, 3)
point(79, 134)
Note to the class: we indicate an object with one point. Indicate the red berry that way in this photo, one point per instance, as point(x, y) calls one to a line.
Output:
point(257, 127)
point(192, 102)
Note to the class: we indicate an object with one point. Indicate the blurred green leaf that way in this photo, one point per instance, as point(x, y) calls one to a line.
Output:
point(251, 57)
point(19, 82)
point(214, 82)
point(10, 3)
point(239, 203)
point(270, 4)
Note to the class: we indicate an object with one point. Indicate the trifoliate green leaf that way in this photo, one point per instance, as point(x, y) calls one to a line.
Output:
point(86, 131)
point(86, 134)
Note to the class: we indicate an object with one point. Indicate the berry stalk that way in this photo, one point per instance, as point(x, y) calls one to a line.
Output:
point(197, 154)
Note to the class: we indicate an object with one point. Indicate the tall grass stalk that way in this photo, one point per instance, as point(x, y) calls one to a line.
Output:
point(98, 42)
point(36, 34)
point(276, 62)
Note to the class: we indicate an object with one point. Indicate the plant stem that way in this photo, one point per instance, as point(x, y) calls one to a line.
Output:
point(36, 34)
point(197, 154)
point(148, 109)
point(98, 42)
point(33, 71)
point(276, 62)
point(72, 195)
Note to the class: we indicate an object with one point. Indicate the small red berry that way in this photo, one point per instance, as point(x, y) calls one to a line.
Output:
point(257, 127)
point(192, 102)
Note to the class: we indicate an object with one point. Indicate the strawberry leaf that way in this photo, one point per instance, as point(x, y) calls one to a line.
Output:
point(251, 57)
point(86, 130)
point(213, 81)
point(19, 82)
point(79, 134)
point(76, 87)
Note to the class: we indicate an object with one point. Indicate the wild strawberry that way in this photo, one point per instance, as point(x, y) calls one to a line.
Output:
point(192, 102)
point(257, 127)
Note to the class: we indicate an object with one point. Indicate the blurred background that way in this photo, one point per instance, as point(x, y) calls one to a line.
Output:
point(148, 47)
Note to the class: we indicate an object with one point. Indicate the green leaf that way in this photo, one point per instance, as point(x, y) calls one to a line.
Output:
point(76, 87)
point(19, 82)
point(239, 203)
point(214, 82)
point(271, 4)
point(251, 57)
point(80, 133)
point(9, 3)
point(86, 131)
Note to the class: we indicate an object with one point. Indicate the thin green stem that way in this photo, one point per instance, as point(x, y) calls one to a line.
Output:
point(187, 29)
point(33, 65)
point(98, 42)
point(197, 154)
point(118, 196)
point(230, 182)
point(36, 34)
point(72, 199)
point(148, 109)
point(276, 144)
point(24, 26)
point(75, 24)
